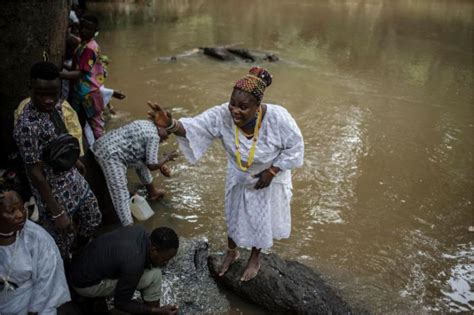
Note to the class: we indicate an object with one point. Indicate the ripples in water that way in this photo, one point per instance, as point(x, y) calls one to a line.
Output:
point(433, 273)
point(458, 290)
point(338, 142)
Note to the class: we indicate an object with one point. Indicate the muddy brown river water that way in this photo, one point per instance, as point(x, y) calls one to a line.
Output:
point(382, 91)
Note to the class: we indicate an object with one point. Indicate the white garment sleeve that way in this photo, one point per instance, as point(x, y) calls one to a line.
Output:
point(292, 153)
point(144, 174)
point(73, 17)
point(89, 134)
point(200, 132)
point(50, 289)
point(152, 148)
point(106, 94)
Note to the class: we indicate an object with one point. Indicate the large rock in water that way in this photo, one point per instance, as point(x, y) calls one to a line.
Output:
point(282, 286)
point(187, 282)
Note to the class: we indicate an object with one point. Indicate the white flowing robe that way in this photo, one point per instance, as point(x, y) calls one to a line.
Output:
point(37, 269)
point(254, 217)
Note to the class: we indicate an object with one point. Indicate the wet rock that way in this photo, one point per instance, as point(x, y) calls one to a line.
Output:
point(242, 53)
point(187, 282)
point(225, 53)
point(271, 58)
point(219, 53)
point(282, 286)
point(170, 58)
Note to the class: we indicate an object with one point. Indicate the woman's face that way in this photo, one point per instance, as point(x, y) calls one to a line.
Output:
point(243, 107)
point(12, 212)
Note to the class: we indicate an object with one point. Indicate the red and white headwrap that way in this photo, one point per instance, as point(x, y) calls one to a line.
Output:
point(255, 82)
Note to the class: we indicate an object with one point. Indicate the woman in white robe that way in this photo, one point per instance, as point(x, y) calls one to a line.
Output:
point(258, 184)
point(32, 276)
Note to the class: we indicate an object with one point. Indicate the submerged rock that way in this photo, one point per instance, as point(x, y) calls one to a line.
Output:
point(220, 53)
point(187, 282)
point(225, 53)
point(242, 53)
point(282, 286)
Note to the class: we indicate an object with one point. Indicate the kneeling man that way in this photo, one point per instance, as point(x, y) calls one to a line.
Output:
point(120, 262)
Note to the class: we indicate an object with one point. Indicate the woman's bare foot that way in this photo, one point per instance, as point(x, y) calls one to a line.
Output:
point(253, 266)
point(231, 256)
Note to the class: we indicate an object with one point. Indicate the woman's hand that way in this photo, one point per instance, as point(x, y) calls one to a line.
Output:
point(160, 117)
point(265, 179)
point(63, 223)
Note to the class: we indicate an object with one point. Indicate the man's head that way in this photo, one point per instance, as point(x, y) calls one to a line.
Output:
point(45, 85)
point(162, 133)
point(164, 246)
point(12, 212)
point(88, 27)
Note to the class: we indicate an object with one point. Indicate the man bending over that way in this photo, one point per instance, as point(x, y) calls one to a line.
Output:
point(120, 262)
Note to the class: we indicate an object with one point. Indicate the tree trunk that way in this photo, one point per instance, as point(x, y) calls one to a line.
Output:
point(30, 30)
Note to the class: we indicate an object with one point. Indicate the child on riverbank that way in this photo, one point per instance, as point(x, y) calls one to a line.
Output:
point(87, 67)
point(89, 77)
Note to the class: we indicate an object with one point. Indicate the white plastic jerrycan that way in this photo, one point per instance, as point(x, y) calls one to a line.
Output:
point(140, 208)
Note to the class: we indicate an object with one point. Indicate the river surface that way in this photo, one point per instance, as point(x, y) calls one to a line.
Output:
point(382, 91)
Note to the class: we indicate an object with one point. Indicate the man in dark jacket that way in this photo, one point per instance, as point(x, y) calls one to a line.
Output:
point(120, 262)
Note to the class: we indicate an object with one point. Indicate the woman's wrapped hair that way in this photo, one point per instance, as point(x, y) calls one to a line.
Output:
point(255, 82)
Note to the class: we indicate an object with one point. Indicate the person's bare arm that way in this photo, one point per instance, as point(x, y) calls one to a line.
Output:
point(162, 310)
point(81, 167)
point(157, 309)
point(180, 131)
point(70, 75)
point(166, 158)
point(35, 171)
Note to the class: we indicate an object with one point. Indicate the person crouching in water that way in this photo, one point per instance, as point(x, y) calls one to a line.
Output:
point(32, 276)
point(133, 145)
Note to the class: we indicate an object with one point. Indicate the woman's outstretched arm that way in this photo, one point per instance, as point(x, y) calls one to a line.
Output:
point(165, 120)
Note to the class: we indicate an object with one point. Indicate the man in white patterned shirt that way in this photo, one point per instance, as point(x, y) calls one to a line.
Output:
point(133, 145)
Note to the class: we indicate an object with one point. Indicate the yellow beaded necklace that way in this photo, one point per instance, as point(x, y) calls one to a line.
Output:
point(238, 157)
